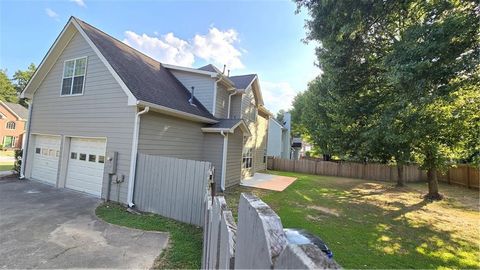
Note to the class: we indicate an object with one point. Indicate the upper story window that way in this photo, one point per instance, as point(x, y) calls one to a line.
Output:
point(74, 76)
point(10, 125)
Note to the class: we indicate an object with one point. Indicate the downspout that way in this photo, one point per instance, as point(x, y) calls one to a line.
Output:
point(214, 105)
point(230, 102)
point(25, 141)
point(224, 160)
point(133, 157)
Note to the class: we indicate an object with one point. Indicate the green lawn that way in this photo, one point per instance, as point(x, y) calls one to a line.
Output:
point(6, 166)
point(370, 224)
point(185, 242)
point(8, 153)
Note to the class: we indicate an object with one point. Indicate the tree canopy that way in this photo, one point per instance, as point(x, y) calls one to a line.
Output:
point(7, 89)
point(400, 82)
point(21, 78)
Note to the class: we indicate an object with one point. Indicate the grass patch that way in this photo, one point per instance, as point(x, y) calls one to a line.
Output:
point(8, 153)
point(371, 224)
point(6, 166)
point(185, 241)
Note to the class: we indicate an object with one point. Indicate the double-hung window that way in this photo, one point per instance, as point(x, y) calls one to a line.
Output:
point(247, 158)
point(74, 76)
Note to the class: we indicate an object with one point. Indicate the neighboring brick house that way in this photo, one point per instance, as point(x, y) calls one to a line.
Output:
point(12, 124)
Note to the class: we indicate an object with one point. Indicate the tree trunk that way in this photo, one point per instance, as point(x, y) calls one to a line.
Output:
point(433, 185)
point(400, 178)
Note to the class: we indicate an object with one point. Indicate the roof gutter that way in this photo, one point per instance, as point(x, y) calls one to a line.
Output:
point(177, 113)
point(214, 104)
point(224, 160)
point(133, 157)
point(26, 141)
point(230, 102)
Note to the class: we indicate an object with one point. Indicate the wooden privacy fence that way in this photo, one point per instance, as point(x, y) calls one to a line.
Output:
point(461, 175)
point(257, 242)
point(172, 187)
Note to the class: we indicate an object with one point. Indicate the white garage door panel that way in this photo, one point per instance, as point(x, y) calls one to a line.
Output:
point(85, 168)
point(45, 158)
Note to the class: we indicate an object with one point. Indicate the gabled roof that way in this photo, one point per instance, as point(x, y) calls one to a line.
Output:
point(145, 77)
point(210, 68)
point(17, 109)
point(243, 81)
point(142, 78)
point(228, 126)
point(278, 123)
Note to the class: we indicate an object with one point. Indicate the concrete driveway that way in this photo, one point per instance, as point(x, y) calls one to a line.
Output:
point(44, 227)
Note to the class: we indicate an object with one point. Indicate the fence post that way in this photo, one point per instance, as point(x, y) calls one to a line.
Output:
point(448, 176)
point(316, 163)
point(260, 236)
point(468, 176)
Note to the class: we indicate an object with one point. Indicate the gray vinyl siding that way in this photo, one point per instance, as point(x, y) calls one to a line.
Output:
point(203, 86)
point(234, 158)
point(213, 152)
point(169, 136)
point(221, 108)
point(248, 106)
point(236, 107)
point(101, 111)
point(260, 144)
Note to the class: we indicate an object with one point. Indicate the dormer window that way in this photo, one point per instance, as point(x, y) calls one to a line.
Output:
point(74, 76)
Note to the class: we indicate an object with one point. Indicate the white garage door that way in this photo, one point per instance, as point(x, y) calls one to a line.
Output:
point(85, 165)
point(45, 158)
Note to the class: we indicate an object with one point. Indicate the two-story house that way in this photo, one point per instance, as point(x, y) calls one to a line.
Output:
point(12, 124)
point(94, 97)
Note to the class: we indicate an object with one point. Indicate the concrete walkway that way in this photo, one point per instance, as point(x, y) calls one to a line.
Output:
point(4, 174)
point(45, 227)
point(268, 181)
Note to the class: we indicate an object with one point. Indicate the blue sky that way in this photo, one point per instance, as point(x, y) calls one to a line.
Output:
point(262, 37)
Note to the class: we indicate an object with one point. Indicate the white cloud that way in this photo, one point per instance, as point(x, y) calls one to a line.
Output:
point(52, 14)
point(167, 48)
point(217, 47)
point(277, 95)
point(79, 2)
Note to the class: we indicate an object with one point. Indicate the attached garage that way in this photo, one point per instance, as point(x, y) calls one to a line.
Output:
point(85, 165)
point(45, 158)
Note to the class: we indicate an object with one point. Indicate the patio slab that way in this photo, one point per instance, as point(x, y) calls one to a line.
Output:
point(268, 181)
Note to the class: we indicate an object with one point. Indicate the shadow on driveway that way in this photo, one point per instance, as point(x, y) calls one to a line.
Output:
point(45, 227)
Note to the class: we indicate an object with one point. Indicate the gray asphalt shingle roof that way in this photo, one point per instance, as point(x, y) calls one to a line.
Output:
point(19, 110)
point(225, 123)
point(242, 81)
point(146, 78)
point(210, 68)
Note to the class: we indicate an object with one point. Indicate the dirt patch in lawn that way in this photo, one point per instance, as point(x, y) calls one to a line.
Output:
point(325, 210)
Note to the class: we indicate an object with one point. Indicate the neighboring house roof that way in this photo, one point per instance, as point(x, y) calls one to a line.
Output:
point(243, 81)
point(278, 123)
point(227, 125)
point(297, 142)
point(210, 68)
point(145, 77)
point(17, 109)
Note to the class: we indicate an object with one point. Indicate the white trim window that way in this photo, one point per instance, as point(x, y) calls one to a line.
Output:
point(10, 125)
point(247, 158)
point(73, 80)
